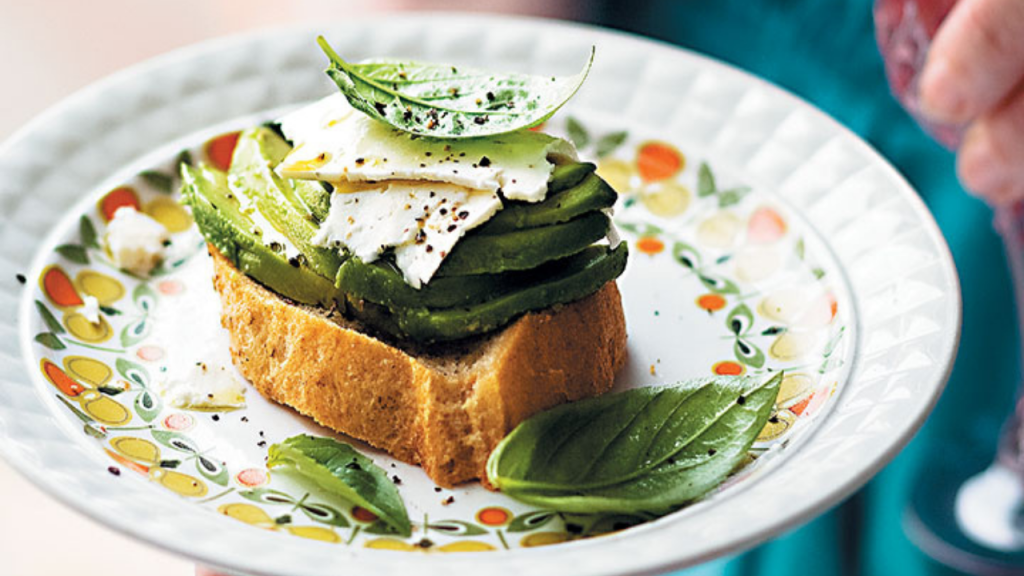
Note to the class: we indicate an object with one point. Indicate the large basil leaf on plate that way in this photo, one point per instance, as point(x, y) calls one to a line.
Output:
point(445, 101)
point(644, 450)
point(339, 469)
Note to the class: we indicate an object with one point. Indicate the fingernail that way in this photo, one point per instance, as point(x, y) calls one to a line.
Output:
point(940, 93)
point(981, 170)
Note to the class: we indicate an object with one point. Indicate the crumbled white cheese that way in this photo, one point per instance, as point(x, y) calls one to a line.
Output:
point(184, 244)
point(197, 374)
point(422, 222)
point(200, 386)
point(336, 143)
point(136, 242)
point(90, 309)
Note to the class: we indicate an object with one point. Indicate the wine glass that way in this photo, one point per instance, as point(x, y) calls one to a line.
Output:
point(965, 513)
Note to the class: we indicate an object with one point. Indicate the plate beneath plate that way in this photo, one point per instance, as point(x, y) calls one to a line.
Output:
point(810, 254)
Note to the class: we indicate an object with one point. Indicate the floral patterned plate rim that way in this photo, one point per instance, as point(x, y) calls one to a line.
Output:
point(764, 237)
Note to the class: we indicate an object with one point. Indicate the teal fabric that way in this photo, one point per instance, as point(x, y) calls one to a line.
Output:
point(825, 52)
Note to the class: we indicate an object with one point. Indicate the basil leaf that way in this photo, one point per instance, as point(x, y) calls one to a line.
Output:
point(339, 469)
point(446, 101)
point(643, 450)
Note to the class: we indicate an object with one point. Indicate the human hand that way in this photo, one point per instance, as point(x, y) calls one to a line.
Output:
point(974, 75)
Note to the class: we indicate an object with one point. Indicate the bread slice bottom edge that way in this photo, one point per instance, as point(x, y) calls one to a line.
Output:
point(444, 411)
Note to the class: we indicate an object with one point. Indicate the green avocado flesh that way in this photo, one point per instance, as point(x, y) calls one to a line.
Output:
point(528, 257)
point(252, 177)
point(585, 195)
point(216, 212)
point(565, 281)
point(523, 249)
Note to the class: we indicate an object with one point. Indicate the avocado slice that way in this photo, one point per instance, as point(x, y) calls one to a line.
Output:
point(380, 282)
point(568, 175)
point(308, 196)
point(252, 178)
point(523, 249)
point(576, 277)
point(217, 214)
point(592, 193)
point(316, 196)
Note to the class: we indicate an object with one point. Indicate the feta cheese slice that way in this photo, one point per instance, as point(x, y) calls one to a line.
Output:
point(422, 221)
point(136, 242)
point(336, 143)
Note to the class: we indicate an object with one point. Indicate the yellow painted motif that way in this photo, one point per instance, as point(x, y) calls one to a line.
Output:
point(104, 409)
point(794, 388)
point(783, 305)
point(467, 546)
point(777, 425)
point(247, 513)
point(169, 213)
point(794, 345)
point(137, 449)
point(391, 544)
point(256, 516)
point(88, 370)
point(720, 230)
point(103, 288)
point(667, 198)
point(80, 327)
point(618, 174)
point(314, 533)
point(182, 484)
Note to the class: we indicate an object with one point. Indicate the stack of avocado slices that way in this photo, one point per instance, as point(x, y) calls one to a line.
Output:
point(528, 257)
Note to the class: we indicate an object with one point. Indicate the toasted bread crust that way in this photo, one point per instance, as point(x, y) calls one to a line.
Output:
point(424, 412)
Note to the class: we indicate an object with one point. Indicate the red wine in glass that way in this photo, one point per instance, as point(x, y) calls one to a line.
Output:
point(966, 514)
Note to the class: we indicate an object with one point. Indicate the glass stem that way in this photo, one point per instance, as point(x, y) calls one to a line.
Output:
point(1009, 222)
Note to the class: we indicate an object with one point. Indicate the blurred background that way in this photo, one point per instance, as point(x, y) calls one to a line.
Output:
point(822, 50)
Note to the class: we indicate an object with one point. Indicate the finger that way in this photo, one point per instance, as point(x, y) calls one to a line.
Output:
point(991, 159)
point(976, 60)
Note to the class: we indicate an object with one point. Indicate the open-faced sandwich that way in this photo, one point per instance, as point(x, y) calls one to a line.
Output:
point(406, 262)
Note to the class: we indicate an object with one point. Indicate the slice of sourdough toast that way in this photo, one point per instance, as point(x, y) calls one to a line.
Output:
point(444, 409)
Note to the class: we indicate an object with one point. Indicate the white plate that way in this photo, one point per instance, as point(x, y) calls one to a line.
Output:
point(827, 220)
